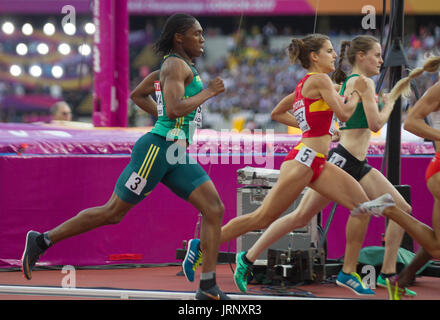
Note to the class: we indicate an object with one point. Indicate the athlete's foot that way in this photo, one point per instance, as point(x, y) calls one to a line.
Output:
point(374, 207)
point(213, 293)
point(31, 254)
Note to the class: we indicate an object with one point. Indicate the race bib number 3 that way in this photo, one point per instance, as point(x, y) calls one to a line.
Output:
point(306, 156)
point(136, 183)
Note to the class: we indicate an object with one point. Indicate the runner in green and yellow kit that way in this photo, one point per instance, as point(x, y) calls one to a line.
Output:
point(160, 155)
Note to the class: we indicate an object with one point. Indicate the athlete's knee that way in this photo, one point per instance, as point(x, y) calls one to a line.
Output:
point(114, 213)
point(263, 221)
point(299, 220)
point(215, 210)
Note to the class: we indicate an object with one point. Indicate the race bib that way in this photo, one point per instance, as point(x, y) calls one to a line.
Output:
point(159, 99)
point(198, 117)
point(332, 129)
point(300, 115)
point(341, 124)
point(306, 156)
point(337, 160)
point(136, 183)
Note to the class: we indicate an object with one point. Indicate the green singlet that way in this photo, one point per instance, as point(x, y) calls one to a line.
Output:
point(156, 157)
point(181, 127)
point(358, 120)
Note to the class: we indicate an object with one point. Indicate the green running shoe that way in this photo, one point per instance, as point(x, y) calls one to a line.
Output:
point(242, 272)
point(381, 282)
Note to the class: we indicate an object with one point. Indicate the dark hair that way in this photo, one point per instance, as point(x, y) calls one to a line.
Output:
point(300, 49)
point(177, 23)
point(362, 43)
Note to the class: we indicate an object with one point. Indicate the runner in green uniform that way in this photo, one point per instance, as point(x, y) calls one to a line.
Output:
point(160, 155)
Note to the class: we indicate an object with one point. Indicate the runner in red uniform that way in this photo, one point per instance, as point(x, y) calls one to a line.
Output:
point(313, 107)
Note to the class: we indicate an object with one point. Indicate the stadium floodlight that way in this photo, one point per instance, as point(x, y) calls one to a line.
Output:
point(35, 71)
point(69, 29)
point(57, 71)
point(27, 29)
point(15, 70)
point(84, 49)
point(8, 27)
point(64, 48)
point(42, 48)
point(49, 29)
point(22, 49)
point(89, 28)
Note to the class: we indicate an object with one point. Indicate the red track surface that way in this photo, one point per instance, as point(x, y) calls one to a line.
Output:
point(167, 279)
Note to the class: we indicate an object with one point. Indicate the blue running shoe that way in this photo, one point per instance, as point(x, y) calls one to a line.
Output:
point(192, 259)
point(353, 282)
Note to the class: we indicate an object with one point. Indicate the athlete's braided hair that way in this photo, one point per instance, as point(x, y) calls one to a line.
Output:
point(402, 87)
point(177, 23)
point(361, 43)
point(300, 49)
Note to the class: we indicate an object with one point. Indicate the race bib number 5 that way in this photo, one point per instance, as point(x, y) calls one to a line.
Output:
point(306, 156)
point(136, 183)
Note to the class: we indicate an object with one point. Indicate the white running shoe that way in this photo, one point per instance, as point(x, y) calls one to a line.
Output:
point(374, 207)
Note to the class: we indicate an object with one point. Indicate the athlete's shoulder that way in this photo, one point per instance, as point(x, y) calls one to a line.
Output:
point(174, 66)
point(321, 80)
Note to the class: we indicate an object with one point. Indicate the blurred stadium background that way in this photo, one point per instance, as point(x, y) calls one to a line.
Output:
point(43, 60)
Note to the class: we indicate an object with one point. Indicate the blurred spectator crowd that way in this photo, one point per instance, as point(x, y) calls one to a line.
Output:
point(257, 74)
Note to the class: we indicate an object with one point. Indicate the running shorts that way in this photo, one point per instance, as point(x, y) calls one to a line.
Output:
point(154, 160)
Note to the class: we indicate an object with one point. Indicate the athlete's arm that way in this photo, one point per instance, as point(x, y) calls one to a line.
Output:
point(173, 75)
point(141, 95)
point(327, 91)
point(415, 122)
point(375, 118)
point(281, 112)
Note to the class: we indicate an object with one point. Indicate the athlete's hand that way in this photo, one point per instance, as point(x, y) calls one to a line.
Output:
point(216, 86)
point(336, 136)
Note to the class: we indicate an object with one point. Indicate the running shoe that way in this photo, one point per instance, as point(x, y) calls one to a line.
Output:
point(381, 282)
point(374, 207)
point(31, 254)
point(394, 291)
point(353, 282)
point(192, 259)
point(243, 272)
point(212, 294)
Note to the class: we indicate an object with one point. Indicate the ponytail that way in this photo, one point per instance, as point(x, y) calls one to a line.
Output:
point(339, 75)
point(294, 49)
point(403, 86)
